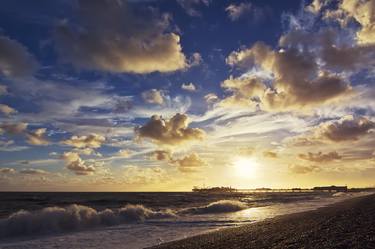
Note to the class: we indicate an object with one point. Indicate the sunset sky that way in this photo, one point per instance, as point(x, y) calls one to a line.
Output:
point(161, 95)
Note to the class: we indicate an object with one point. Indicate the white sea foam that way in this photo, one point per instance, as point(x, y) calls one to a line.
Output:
point(223, 206)
point(74, 217)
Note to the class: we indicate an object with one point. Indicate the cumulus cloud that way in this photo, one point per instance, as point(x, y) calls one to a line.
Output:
point(116, 36)
point(337, 54)
point(362, 11)
point(153, 96)
point(13, 128)
point(320, 157)
point(15, 60)
point(75, 163)
point(297, 81)
point(189, 87)
point(37, 137)
point(89, 141)
point(236, 11)
point(31, 171)
point(348, 128)
point(301, 169)
point(189, 163)
point(169, 132)
point(7, 110)
point(161, 155)
point(270, 154)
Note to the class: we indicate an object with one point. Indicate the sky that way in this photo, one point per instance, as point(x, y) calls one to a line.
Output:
point(159, 95)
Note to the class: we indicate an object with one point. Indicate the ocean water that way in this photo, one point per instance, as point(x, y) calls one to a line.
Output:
point(137, 220)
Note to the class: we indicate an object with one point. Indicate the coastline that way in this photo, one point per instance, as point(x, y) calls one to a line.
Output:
point(346, 224)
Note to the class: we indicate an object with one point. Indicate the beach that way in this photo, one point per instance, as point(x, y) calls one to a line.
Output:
point(347, 224)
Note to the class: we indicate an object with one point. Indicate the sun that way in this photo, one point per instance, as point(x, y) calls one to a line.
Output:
point(245, 167)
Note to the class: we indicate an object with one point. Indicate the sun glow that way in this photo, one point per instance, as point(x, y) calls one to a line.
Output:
point(246, 167)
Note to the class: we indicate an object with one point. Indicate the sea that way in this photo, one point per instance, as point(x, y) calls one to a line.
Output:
point(126, 220)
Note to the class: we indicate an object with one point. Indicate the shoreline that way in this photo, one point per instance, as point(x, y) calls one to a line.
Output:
point(346, 224)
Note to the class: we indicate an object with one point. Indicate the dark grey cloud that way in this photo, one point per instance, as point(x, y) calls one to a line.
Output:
point(15, 60)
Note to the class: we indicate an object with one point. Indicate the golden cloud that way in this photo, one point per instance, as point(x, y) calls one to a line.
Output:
point(89, 141)
point(320, 157)
point(270, 154)
point(7, 110)
point(161, 155)
point(75, 163)
point(37, 137)
point(189, 163)
point(300, 169)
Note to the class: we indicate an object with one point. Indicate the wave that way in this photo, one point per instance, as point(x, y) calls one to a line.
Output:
point(72, 218)
point(223, 206)
point(75, 217)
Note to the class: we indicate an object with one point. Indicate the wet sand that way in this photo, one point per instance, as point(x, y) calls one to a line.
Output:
point(345, 225)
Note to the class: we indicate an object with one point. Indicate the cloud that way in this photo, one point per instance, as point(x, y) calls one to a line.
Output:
point(153, 96)
point(211, 98)
point(140, 175)
point(316, 6)
point(8, 145)
point(75, 163)
point(299, 169)
point(270, 154)
point(190, 6)
point(334, 55)
point(297, 80)
point(189, 163)
point(7, 171)
point(116, 36)
point(37, 137)
point(89, 141)
point(124, 153)
point(31, 171)
point(169, 132)
point(7, 110)
point(362, 11)
point(15, 60)
point(3, 90)
point(189, 87)
point(320, 157)
point(242, 91)
point(161, 155)
point(348, 128)
point(235, 12)
point(13, 128)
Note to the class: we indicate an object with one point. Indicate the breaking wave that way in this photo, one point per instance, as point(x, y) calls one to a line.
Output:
point(74, 217)
point(223, 206)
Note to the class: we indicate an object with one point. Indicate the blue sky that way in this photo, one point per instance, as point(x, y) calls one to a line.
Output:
point(164, 95)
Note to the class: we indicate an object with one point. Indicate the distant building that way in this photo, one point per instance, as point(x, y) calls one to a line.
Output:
point(332, 188)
